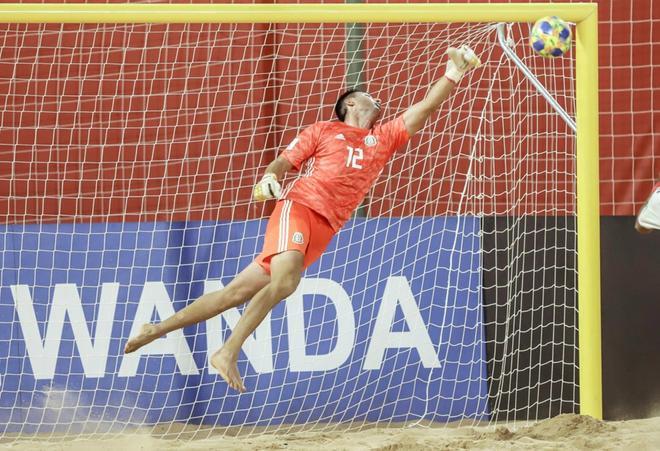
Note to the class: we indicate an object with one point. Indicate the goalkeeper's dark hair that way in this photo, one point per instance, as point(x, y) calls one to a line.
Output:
point(340, 106)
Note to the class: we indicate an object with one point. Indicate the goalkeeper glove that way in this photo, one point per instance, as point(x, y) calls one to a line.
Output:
point(267, 188)
point(460, 61)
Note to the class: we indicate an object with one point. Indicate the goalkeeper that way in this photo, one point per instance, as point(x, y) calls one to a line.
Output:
point(337, 162)
point(649, 216)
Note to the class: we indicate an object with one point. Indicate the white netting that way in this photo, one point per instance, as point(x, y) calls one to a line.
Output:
point(129, 153)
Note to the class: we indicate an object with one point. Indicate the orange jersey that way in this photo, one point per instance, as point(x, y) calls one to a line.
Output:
point(338, 164)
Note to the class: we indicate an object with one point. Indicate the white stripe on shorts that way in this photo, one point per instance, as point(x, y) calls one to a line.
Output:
point(284, 226)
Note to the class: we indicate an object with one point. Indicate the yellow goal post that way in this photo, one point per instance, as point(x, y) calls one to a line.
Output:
point(584, 15)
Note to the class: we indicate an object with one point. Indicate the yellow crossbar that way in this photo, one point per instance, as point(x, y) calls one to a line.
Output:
point(283, 13)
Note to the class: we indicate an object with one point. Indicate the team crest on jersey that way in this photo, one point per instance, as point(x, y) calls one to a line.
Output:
point(370, 140)
point(298, 238)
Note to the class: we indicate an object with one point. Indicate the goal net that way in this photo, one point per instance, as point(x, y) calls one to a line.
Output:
point(128, 156)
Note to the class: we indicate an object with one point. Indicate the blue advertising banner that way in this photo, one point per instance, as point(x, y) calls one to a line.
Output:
point(386, 326)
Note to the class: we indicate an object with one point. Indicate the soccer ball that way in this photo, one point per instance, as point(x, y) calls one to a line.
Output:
point(551, 37)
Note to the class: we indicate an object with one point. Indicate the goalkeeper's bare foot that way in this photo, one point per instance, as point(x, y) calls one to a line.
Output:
point(148, 333)
point(227, 365)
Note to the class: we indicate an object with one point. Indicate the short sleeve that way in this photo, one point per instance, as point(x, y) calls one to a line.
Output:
point(649, 216)
point(395, 133)
point(304, 146)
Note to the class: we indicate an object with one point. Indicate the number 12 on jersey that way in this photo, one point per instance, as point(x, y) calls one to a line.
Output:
point(354, 158)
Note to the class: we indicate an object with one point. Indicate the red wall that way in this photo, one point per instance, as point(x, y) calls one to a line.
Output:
point(109, 134)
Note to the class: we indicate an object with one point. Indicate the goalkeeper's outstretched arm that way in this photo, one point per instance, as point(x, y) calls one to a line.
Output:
point(460, 61)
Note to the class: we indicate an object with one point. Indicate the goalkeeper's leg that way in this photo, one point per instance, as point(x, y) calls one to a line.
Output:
point(286, 270)
point(238, 291)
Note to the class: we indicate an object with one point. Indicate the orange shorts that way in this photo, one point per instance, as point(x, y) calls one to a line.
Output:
point(294, 227)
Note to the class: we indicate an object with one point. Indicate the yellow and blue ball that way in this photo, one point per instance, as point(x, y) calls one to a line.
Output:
point(551, 37)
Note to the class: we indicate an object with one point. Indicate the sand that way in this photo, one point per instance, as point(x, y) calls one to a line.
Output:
point(559, 433)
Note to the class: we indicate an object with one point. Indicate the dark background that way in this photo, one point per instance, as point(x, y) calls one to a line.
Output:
point(630, 272)
point(530, 315)
point(546, 352)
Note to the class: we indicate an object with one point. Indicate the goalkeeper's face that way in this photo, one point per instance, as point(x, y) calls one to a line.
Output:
point(365, 106)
